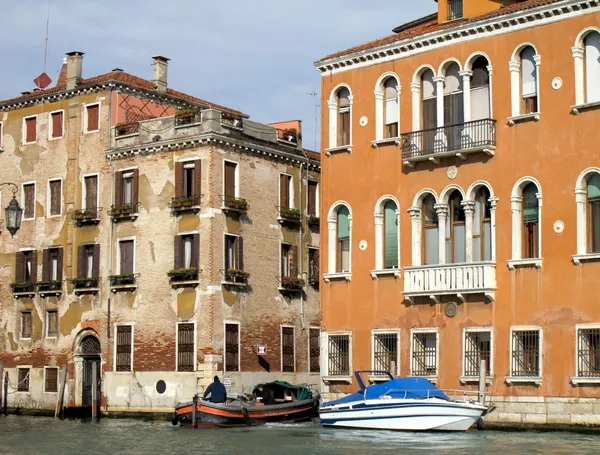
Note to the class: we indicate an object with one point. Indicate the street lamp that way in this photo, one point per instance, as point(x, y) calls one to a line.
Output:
point(13, 211)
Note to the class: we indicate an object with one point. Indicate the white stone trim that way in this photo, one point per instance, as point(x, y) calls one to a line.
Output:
point(329, 277)
point(581, 204)
point(84, 125)
point(333, 117)
point(380, 107)
point(325, 350)
point(432, 378)
point(24, 129)
point(517, 229)
point(489, 329)
point(516, 82)
point(398, 350)
point(379, 219)
point(510, 379)
point(578, 52)
point(576, 380)
point(332, 239)
point(51, 125)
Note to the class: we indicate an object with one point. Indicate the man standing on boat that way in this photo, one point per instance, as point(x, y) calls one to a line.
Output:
point(217, 392)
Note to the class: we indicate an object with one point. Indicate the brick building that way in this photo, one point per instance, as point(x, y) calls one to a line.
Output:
point(164, 238)
point(467, 221)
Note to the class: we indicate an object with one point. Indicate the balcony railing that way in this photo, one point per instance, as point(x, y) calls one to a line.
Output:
point(185, 204)
point(83, 284)
point(289, 215)
point(450, 279)
point(454, 140)
point(231, 120)
point(125, 129)
point(119, 212)
point(185, 118)
point(455, 9)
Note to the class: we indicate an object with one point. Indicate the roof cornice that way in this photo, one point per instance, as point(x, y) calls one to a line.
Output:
point(211, 139)
point(465, 32)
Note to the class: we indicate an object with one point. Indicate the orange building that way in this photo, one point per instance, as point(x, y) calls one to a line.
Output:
point(461, 205)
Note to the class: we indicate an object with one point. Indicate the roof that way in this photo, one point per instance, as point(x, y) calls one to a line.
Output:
point(312, 155)
point(123, 78)
point(429, 24)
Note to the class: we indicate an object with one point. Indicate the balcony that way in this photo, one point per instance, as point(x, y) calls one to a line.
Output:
point(185, 204)
point(86, 216)
point(123, 282)
point(23, 289)
point(124, 212)
point(449, 141)
point(49, 288)
point(183, 277)
point(288, 215)
point(85, 285)
point(450, 279)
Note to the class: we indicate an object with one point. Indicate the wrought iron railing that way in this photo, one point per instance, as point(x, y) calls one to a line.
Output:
point(188, 118)
point(182, 203)
point(232, 120)
point(124, 129)
point(526, 353)
point(424, 359)
point(85, 283)
point(455, 9)
point(439, 141)
point(588, 353)
point(339, 355)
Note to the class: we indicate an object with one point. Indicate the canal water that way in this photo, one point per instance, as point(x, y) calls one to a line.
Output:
point(30, 435)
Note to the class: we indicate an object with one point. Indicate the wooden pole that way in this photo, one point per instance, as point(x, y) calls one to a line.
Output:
point(393, 369)
point(5, 392)
point(194, 404)
point(94, 391)
point(482, 377)
point(61, 395)
point(1, 376)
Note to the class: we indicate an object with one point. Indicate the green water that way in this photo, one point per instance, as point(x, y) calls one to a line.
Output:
point(29, 435)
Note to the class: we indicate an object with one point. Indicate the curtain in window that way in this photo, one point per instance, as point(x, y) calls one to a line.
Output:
point(430, 228)
point(592, 67)
point(593, 191)
point(391, 235)
point(187, 252)
point(528, 72)
point(343, 226)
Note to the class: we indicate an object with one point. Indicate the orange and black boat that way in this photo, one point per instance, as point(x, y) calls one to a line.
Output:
point(289, 403)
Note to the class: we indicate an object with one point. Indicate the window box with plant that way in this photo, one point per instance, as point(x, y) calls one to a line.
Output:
point(126, 279)
point(118, 212)
point(49, 286)
point(20, 287)
point(236, 203)
point(236, 276)
point(126, 129)
point(184, 117)
point(85, 216)
point(184, 203)
point(289, 215)
point(289, 135)
point(229, 119)
point(292, 284)
point(313, 220)
point(179, 275)
point(80, 283)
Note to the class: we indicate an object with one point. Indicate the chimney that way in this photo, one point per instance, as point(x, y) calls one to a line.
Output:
point(74, 62)
point(160, 72)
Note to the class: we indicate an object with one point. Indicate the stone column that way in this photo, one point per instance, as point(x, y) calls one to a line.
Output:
point(538, 61)
point(442, 213)
point(517, 247)
point(491, 88)
point(332, 234)
point(466, 77)
point(379, 117)
point(493, 204)
point(578, 55)
point(378, 240)
point(439, 82)
point(416, 229)
point(581, 200)
point(333, 110)
point(415, 88)
point(515, 87)
point(469, 209)
point(350, 139)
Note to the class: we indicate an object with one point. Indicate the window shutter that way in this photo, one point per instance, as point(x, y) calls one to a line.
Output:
point(92, 118)
point(34, 264)
point(126, 257)
point(19, 267)
point(592, 67)
point(230, 179)
point(31, 129)
point(96, 265)
point(29, 201)
point(528, 72)
point(135, 181)
point(177, 252)
point(293, 261)
point(178, 179)
point(46, 265)
point(198, 179)
point(57, 124)
point(343, 223)
point(284, 191)
point(55, 197)
point(91, 192)
point(81, 266)
point(239, 252)
point(196, 251)
point(59, 265)
point(312, 198)
point(119, 188)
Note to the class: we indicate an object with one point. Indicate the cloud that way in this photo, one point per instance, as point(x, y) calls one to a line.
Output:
point(253, 55)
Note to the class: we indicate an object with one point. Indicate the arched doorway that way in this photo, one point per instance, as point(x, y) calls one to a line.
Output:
point(88, 353)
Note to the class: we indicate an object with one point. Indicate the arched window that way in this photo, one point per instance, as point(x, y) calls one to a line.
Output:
point(453, 104)
point(593, 213)
point(531, 221)
point(343, 117)
point(480, 90)
point(482, 226)
point(529, 78)
point(592, 67)
point(430, 236)
point(455, 230)
point(428, 110)
point(343, 240)
point(391, 108)
point(390, 238)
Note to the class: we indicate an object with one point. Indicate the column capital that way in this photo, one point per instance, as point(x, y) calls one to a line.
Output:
point(577, 52)
point(441, 210)
point(490, 69)
point(468, 207)
point(439, 80)
point(332, 104)
point(414, 212)
point(514, 67)
point(466, 74)
point(379, 94)
point(537, 59)
point(493, 202)
point(415, 87)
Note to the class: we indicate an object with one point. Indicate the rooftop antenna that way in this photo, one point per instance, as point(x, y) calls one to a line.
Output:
point(314, 95)
point(43, 80)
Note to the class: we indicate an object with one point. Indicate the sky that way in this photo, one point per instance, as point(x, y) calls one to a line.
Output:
point(256, 56)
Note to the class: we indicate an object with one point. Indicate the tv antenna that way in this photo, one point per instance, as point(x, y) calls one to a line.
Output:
point(43, 80)
point(315, 97)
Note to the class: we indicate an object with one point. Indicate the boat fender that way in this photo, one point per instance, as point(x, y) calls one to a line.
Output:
point(480, 423)
point(316, 404)
point(175, 419)
point(245, 412)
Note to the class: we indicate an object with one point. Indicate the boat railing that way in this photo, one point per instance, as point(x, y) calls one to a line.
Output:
point(452, 394)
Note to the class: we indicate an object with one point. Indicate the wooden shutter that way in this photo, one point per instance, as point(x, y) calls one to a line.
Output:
point(93, 118)
point(312, 198)
point(57, 124)
point(196, 251)
point(34, 265)
point(31, 129)
point(135, 180)
point(126, 257)
point(239, 253)
point(59, 264)
point(29, 209)
point(178, 252)
point(284, 191)
point(96, 264)
point(185, 347)
point(81, 265)
point(19, 267)
point(55, 197)
point(230, 179)
point(26, 323)
point(119, 188)
point(91, 192)
point(123, 341)
point(293, 261)
point(51, 381)
point(46, 265)
point(197, 179)
point(178, 179)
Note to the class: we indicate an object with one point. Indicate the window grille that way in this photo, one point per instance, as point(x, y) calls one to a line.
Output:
point(287, 349)
point(52, 321)
point(314, 348)
point(424, 361)
point(26, 324)
point(477, 348)
point(23, 377)
point(385, 351)
point(232, 347)
point(588, 353)
point(339, 355)
point(455, 9)
point(51, 381)
point(185, 347)
point(526, 353)
point(124, 335)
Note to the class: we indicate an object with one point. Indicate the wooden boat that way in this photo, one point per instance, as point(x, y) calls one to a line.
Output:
point(291, 404)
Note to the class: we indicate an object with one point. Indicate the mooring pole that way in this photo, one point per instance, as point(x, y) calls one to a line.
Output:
point(1, 376)
point(61, 394)
point(393, 369)
point(94, 391)
point(5, 392)
point(482, 377)
point(194, 404)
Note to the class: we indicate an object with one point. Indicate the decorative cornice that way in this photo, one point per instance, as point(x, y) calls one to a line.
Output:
point(465, 32)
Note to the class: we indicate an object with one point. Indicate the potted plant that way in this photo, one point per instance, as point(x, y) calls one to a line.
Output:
point(236, 276)
point(183, 274)
point(290, 134)
point(126, 128)
point(123, 279)
point(236, 203)
point(186, 116)
point(181, 202)
point(50, 285)
point(120, 210)
point(22, 286)
point(231, 119)
point(313, 220)
point(292, 284)
point(289, 214)
point(83, 283)
point(84, 214)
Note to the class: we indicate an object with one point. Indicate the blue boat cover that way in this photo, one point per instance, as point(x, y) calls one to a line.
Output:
point(410, 387)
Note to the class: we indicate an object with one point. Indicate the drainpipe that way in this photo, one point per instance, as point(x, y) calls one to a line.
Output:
point(300, 249)
point(112, 196)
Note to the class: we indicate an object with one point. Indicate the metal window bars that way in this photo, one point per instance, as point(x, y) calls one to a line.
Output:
point(314, 351)
point(455, 9)
point(424, 358)
point(588, 353)
point(385, 351)
point(526, 353)
point(287, 349)
point(185, 347)
point(339, 355)
point(232, 347)
point(477, 348)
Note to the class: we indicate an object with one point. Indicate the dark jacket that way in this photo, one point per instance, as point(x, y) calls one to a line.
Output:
point(217, 392)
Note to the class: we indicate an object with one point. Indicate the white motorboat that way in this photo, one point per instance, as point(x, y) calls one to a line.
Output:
point(409, 404)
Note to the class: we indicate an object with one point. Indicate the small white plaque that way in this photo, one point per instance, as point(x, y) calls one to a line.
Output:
point(556, 83)
point(364, 120)
point(559, 226)
point(363, 245)
point(452, 172)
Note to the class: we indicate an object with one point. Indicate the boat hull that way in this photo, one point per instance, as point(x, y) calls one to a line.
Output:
point(404, 415)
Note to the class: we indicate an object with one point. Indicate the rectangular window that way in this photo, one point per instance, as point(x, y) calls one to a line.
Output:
point(588, 353)
point(525, 353)
point(530, 104)
point(313, 210)
point(478, 347)
point(187, 251)
point(344, 126)
point(455, 9)
point(56, 125)
point(289, 264)
point(30, 130)
point(230, 180)
point(288, 361)
point(124, 345)
point(29, 201)
point(339, 355)
point(91, 193)
point(88, 261)
point(314, 349)
point(51, 379)
point(26, 325)
point(234, 253)
point(285, 191)
point(185, 347)
point(313, 265)
point(92, 114)
point(424, 354)
point(232, 347)
point(126, 257)
point(52, 266)
point(188, 182)
point(23, 379)
point(55, 197)
point(127, 188)
point(385, 351)
point(26, 266)
point(51, 324)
